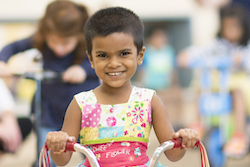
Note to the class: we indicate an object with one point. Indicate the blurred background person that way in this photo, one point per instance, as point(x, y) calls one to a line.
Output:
point(158, 71)
point(12, 130)
point(60, 39)
point(158, 66)
point(232, 41)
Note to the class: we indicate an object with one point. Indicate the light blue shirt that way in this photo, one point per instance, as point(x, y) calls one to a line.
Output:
point(158, 66)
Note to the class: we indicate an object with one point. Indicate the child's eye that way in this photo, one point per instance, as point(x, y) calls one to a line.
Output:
point(124, 53)
point(102, 55)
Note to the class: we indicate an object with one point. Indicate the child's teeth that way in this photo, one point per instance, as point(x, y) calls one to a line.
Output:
point(116, 73)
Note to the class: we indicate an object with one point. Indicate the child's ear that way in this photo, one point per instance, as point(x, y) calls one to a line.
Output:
point(141, 55)
point(90, 60)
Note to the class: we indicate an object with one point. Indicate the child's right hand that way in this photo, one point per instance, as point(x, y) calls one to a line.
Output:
point(56, 141)
point(4, 70)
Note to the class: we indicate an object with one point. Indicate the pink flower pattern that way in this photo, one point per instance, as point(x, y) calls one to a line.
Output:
point(136, 117)
point(111, 121)
point(138, 113)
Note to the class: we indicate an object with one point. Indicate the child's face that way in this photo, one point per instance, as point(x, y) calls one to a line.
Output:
point(232, 29)
point(115, 58)
point(61, 46)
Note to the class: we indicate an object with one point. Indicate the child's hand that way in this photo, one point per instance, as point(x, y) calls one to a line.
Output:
point(189, 137)
point(56, 141)
point(74, 74)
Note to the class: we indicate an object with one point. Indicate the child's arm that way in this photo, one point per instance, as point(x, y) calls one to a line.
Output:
point(164, 131)
point(56, 141)
point(182, 59)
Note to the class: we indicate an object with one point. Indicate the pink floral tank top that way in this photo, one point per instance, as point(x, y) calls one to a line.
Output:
point(117, 133)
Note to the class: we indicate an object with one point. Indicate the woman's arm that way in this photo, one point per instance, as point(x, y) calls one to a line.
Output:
point(14, 48)
point(11, 50)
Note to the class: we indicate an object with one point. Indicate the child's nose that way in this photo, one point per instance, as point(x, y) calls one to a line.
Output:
point(114, 62)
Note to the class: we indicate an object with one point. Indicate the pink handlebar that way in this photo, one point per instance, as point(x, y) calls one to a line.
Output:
point(170, 144)
point(177, 143)
point(70, 146)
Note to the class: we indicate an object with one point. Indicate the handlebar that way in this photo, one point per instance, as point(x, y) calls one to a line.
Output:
point(220, 62)
point(44, 75)
point(174, 143)
point(72, 146)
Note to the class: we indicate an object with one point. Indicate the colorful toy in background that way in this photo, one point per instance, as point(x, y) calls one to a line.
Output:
point(215, 105)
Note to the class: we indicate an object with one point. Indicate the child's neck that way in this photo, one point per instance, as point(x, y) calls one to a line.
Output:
point(111, 95)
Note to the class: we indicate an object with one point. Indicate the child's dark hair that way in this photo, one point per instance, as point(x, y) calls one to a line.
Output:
point(240, 13)
point(63, 18)
point(114, 19)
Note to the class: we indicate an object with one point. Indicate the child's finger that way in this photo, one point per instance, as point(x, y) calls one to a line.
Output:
point(56, 141)
point(48, 140)
point(190, 139)
point(184, 136)
point(71, 139)
point(175, 135)
point(196, 138)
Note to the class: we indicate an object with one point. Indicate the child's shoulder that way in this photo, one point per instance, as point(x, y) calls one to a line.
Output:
point(85, 97)
point(142, 94)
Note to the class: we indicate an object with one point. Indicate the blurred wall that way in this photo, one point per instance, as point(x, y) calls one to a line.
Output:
point(203, 19)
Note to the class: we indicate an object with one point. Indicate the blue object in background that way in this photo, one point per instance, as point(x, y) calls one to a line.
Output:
point(215, 154)
point(215, 104)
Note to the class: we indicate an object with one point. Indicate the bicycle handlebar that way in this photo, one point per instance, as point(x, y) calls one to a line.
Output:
point(174, 143)
point(73, 146)
point(44, 75)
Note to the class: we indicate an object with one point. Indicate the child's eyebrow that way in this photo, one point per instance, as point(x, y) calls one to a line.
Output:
point(123, 50)
point(100, 52)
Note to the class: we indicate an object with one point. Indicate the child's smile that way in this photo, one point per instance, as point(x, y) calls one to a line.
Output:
point(115, 58)
point(115, 74)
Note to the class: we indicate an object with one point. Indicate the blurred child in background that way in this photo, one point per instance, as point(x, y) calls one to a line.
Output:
point(60, 39)
point(158, 72)
point(157, 68)
point(12, 130)
point(232, 41)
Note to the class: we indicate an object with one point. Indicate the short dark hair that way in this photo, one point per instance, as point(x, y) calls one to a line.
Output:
point(114, 19)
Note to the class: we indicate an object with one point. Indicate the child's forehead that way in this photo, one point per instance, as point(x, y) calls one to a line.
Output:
point(113, 42)
point(114, 33)
point(117, 36)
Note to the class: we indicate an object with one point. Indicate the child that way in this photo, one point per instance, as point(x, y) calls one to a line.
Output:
point(116, 116)
point(158, 72)
point(60, 39)
point(157, 69)
point(233, 42)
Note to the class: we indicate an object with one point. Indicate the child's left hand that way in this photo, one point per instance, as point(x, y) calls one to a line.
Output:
point(189, 137)
point(74, 74)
